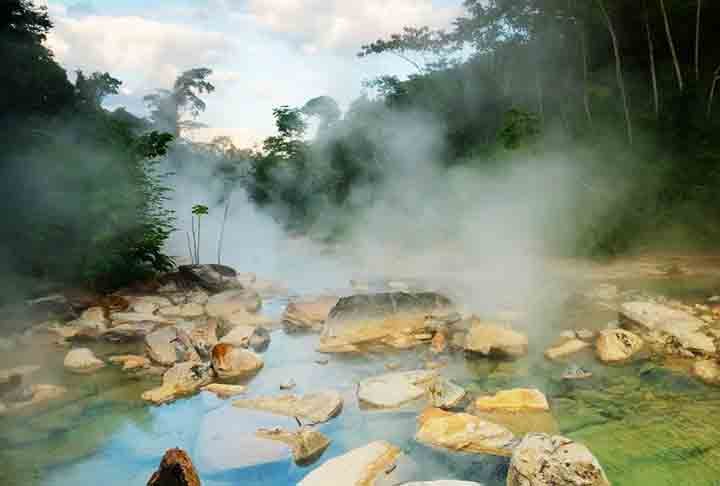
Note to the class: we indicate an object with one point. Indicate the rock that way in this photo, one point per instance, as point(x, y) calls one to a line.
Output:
point(183, 311)
point(309, 315)
point(129, 332)
point(515, 400)
point(288, 385)
point(586, 334)
point(82, 360)
point(682, 330)
point(147, 304)
point(376, 463)
point(544, 460)
point(230, 361)
point(445, 394)
point(462, 432)
point(52, 306)
point(393, 390)
point(176, 469)
point(224, 391)
point(225, 304)
point(244, 318)
point(707, 370)
point(260, 339)
point(495, 340)
point(204, 338)
point(396, 319)
point(34, 395)
point(227, 440)
point(212, 277)
point(307, 445)
point(315, 407)
point(160, 346)
point(239, 336)
point(614, 346)
point(438, 343)
point(130, 361)
point(91, 324)
point(442, 482)
point(574, 372)
point(565, 349)
point(11, 378)
point(119, 318)
point(180, 380)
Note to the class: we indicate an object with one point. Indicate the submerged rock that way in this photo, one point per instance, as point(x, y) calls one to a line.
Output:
point(224, 391)
point(393, 390)
point(445, 394)
point(129, 332)
point(180, 380)
point(308, 315)
point(11, 378)
point(565, 349)
point(462, 432)
point(707, 370)
point(307, 445)
point(315, 407)
point(515, 400)
point(617, 345)
point(130, 361)
point(491, 339)
point(373, 464)
point(176, 469)
point(212, 277)
point(32, 395)
point(82, 360)
point(395, 319)
point(190, 310)
point(544, 460)
point(230, 361)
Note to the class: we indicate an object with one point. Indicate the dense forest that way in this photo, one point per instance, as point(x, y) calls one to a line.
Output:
point(625, 89)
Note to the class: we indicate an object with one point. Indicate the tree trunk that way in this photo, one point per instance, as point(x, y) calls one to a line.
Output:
point(618, 70)
point(671, 44)
point(716, 78)
point(538, 87)
point(586, 93)
point(697, 41)
point(653, 74)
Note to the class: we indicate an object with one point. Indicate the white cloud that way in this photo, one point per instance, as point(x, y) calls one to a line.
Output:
point(153, 52)
point(346, 25)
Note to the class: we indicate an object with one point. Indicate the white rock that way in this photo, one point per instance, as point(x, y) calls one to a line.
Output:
point(393, 390)
point(82, 360)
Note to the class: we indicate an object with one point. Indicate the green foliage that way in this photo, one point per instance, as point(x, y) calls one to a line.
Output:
point(519, 127)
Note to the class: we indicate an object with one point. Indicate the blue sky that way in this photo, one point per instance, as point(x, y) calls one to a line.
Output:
point(264, 52)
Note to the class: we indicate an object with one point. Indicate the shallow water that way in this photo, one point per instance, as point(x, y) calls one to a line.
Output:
point(647, 424)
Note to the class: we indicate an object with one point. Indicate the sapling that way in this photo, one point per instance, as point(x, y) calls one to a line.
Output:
point(197, 210)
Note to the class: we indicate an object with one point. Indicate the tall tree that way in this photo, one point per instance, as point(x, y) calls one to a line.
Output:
point(671, 45)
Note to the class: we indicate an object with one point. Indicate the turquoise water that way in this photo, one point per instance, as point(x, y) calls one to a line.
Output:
point(648, 424)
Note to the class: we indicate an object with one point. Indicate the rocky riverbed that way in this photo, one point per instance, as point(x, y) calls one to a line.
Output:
point(388, 383)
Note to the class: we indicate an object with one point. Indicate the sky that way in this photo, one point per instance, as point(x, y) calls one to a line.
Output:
point(264, 53)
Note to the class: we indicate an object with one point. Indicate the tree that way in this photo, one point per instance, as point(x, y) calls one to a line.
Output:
point(671, 45)
point(325, 108)
point(167, 107)
point(92, 90)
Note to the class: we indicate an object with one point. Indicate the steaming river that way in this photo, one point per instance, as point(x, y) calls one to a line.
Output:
point(647, 424)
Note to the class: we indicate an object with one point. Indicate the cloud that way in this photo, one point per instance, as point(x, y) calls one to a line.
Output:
point(343, 25)
point(154, 52)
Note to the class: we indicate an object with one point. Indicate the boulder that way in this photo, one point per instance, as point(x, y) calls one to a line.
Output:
point(491, 339)
point(30, 396)
point(307, 445)
point(119, 318)
point(566, 348)
point(204, 338)
point(239, 336)
point(445, 394)
point(315, 407)
point(130, 362)
point(160, 346)
point(224, 391)
point(12, 378)
point(212, 277)
point(82, 360)
point(395, 319)
point(680, 332)
point(393, 390)
point(373, 464)
point(707, 370)
point(230, 361)
point(462, 432)
point(129, 332)
point(225, 304)
point(91, 324)
point(308, 315)
point(617, 345)
point(183, 311)
point(544, 460)
point(180, 380)
point(176, 469)
point(244, 318)
point(147, 304)
point(515, 400)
